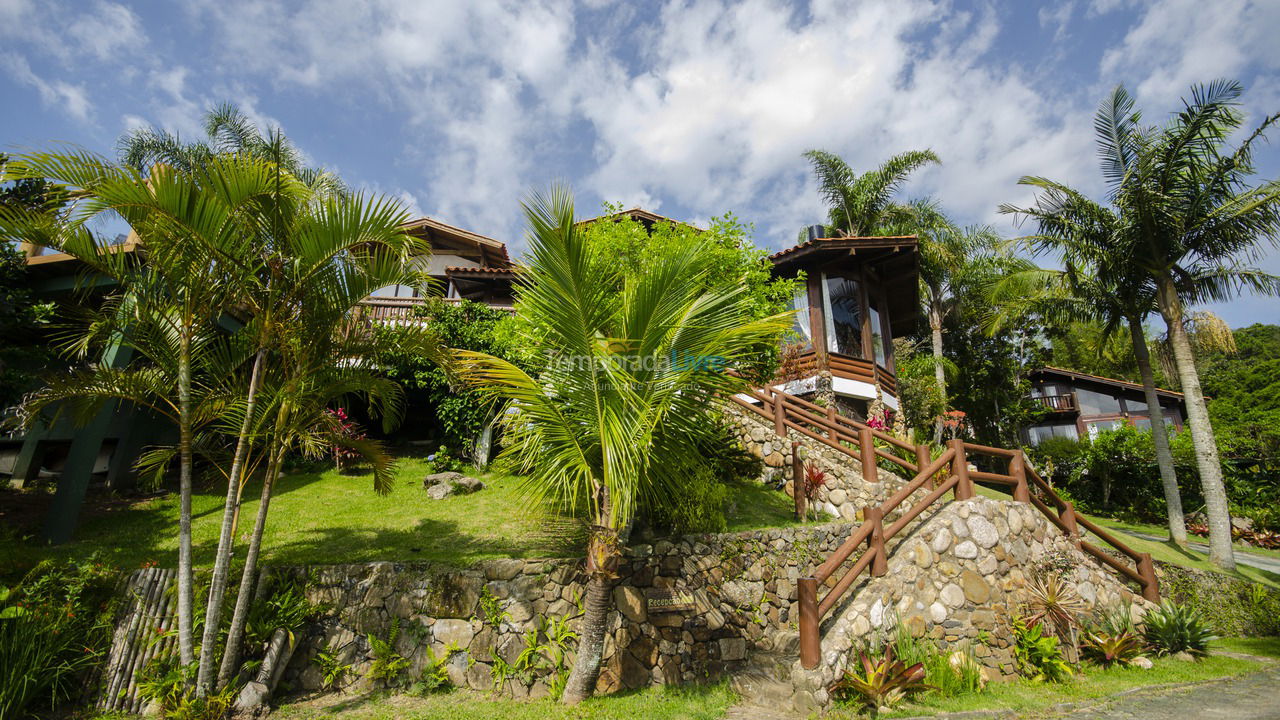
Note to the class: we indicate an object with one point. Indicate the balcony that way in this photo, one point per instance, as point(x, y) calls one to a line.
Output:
point(800, 365)
point(400, 310)
point(1059, 403)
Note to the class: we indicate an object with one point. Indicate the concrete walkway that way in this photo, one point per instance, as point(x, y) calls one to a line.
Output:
point(1262, 562)
point(1248, 697)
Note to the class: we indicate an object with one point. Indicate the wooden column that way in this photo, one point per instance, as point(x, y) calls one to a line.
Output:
point(798, 483)
point(1068, 517)
point(1147, 570)
point(923, 459)
point(867, 448)
point(960, 468)
point(875, 543)
point(810, 643)
point(779, 414)
point(1018, 469)
point(832, 431)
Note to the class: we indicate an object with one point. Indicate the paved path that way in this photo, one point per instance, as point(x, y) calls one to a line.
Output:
point(1249, 697)
point(1262, 562)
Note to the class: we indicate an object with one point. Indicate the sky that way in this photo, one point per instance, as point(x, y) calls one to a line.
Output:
point(688, 108)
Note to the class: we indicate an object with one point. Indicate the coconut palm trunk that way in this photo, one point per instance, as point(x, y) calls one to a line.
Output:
point(1159, 435)
point(1211, 480)
point(186, 592)
point(586, 668)
point(235, 634)
point(939, 373)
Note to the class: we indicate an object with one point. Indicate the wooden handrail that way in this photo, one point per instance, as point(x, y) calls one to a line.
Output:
point(857, 440)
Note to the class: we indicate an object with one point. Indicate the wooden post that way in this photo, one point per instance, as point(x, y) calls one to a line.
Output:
point(810, 643)
point(1018, 469)
point(832, 428)
point(960, 468)
point(798, 484)
point(923, 460)
point(1068, 517)
point(866, 446)
point(1147, 570)
point(779, 414)
point(875, 543)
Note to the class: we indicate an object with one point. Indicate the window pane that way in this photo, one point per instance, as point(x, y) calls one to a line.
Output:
point(1135, 405)
point(877, 337)
point(1095, 403)
point(800, 325)
point(844, 316)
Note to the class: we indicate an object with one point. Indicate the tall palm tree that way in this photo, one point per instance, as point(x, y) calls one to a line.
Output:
point(1189, 223)
point(950, 259)
point(862, 204)
point(196, 231)
point(1076, 295)
point(637, 364)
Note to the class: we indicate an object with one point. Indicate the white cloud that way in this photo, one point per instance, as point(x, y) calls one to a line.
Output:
point(106, 30)
point(69, 98)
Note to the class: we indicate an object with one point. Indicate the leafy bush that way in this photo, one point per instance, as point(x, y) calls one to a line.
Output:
point(1107, 649)
point(54, 629)
point(171, 687)
point(1037, 654)
point(388, 666)
point(332, 670)
point(435, 675)
point(950, 674)
point(1234, 608)
point(1174, 628)
point(879, 683)
point(698, 505)
point(285, 607)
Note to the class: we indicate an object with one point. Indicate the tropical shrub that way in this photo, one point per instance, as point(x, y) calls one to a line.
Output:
point(1233, 607)
point(171, 687)
point(1037, 655)
point(1175, 628)
point(54, 629)
point(1107, 649)
point(949, 673)
point(388, 666)
point(879, 683)
point(285, 607)
point(332, 670)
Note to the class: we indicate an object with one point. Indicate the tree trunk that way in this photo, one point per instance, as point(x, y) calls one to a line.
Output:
point(235, 635)
point(1211, 481)
point(186, 593)
point(222, 559)
point(1159, 435)
point(939, 374)
point(586, 668)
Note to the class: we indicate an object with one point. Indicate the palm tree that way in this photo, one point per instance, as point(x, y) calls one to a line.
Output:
point(629, 396)
point(1076, 295)
point(1188, 224)
point(196, 231)
point(950, 258)
point(862, 204)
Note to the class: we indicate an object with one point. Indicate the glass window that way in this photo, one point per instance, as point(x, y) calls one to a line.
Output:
point(1135, 405)
point(843, 311)
point(802, 332)
point(877, 334)
point(1098, 426)
point(1039, 433)
point(1096, 403)
point(394, 291)
point(1142, 422)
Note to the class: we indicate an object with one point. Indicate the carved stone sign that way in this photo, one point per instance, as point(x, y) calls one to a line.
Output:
point(663, 600)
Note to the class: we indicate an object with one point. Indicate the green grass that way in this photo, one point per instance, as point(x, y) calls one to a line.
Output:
point(1167, 552)
point(1262, 646)
point(1090, 684)
point(324, 517)
point(1163, 531)
point(707, 702)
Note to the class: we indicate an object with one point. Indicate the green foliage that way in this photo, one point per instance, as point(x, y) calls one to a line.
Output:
point(332, 670)
point(388, 666)
point(1173, 628)
point(1037, 655)
point(456, 413)
point(491, 610)
point(25, 351)
point(435, 675)
point(923, 402)
point(285, 607)
point(699, 504)
point(171, 687)
point(545, 655)
point(878, 683)
point(55, 627)
point(950, 673)
point(1107, 649)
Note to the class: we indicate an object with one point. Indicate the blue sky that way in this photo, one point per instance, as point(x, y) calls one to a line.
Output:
point(688, 108)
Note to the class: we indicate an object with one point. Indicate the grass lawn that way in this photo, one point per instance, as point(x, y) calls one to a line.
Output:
point(1098, 683)
point(1167, 551)
point(324, 517)
point(675, 703)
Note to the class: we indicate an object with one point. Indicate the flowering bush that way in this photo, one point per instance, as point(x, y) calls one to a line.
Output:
point(344, 427)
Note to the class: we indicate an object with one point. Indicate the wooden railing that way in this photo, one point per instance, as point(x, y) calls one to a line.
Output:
point(843, 366)
point(949, 472)
point(1059, 403)
point(398, 309)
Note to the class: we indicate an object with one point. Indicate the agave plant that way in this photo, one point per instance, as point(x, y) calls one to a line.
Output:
point(1053, 603)
point(1107, 649)
point(1172, 629)
point(879, 683)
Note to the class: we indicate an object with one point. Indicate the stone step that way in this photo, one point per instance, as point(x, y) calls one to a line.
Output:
point(766, 679)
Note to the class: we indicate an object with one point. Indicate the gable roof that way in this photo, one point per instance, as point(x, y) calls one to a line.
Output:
point(488, 251)
point(640, 215)
point(1074, 375)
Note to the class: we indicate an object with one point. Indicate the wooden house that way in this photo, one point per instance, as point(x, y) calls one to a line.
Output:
point(1080, 405)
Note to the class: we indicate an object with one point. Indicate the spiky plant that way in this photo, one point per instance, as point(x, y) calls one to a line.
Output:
point(879, 683)
point(1172, 629)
